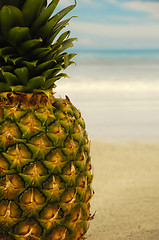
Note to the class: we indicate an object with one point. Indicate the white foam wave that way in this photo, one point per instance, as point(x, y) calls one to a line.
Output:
point(104, 86)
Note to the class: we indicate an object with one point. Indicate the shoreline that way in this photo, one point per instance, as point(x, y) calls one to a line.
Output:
point(126, 184)
point(123, 141)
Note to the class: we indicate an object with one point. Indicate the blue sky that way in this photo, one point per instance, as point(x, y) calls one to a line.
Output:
point(116, 24)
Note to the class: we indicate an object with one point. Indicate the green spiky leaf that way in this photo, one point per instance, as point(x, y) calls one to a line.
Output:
point(14, 60)
point(66, 60)
point(35, 83)
point(66, 44)
point(46, 91)
point(49, 73)
point(72, 62)
point(41, 52)
point(18, 88)
point(32, 9)
point(45, 66)
point(16, 3)
point(19, 34)
point(30, 44)
point(4, 87)
point(7, 68)
point(55, 31)
point(72, 55)
point(10, 17)
point(48, 27)
point(30, 64)
point(11, 79)
point(50, 82)
point(7, 50)
point(22, 74)
point(60, 40)
point(41, 20)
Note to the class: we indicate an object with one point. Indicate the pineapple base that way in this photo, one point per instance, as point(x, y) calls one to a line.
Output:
point(45, 169)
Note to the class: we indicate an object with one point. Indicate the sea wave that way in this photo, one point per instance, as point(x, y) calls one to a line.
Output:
point(87, 85)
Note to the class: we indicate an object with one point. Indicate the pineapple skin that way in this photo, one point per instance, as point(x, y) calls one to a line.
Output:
point(45, 169)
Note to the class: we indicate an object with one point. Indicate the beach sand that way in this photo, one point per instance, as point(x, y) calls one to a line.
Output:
point(126, 184)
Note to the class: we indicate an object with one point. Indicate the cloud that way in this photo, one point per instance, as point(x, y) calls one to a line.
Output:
point(126, 19)
point(91, 2)
point(112, 1)
point(150, 7)
point(65, 3)
point(116, 36)
point(87, 41)
point(134, 31)
point(127, 30)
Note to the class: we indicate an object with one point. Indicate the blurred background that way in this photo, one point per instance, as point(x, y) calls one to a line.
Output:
point(116, 86)
point(116, 81)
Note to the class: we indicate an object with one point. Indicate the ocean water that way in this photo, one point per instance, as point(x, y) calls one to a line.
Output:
point(117, 92)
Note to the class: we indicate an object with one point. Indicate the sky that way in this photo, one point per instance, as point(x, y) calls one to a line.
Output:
point(115, 24)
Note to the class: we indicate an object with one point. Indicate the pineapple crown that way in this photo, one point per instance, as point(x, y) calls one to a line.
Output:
point(32, 55)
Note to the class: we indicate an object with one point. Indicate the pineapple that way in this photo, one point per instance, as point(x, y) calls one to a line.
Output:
point(45, 165)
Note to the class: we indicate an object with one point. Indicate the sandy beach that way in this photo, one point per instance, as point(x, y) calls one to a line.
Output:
point(120, 105)
point(126, 184)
